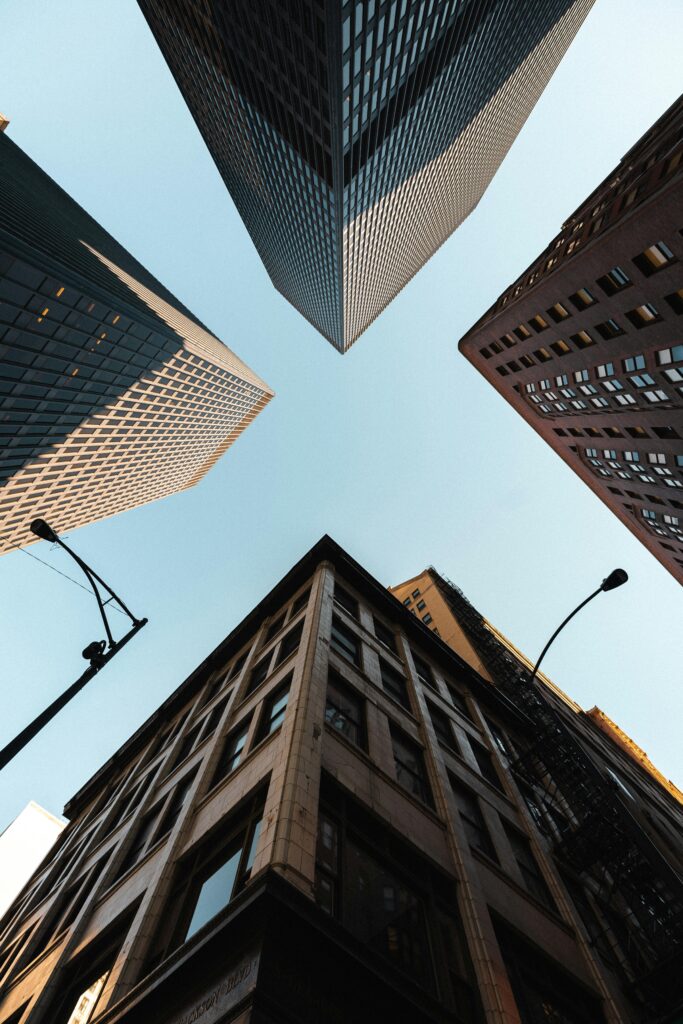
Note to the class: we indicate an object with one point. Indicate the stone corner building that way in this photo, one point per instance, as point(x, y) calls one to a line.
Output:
point(335, 818)
point(112, 393)
point(354, 137)
point(587, 344)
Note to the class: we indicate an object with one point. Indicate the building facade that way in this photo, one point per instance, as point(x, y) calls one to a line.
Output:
point(335, 818)
point(586, 345)
point(112, 393)
point(354, 137)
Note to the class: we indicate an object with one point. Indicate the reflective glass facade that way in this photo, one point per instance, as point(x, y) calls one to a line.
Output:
point(355, 137)
point(111, 393)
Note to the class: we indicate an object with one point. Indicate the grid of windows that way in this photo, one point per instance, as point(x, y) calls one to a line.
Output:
point(354, 138)
point(112, 396)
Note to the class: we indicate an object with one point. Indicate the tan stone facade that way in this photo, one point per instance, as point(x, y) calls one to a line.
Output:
point(321, 824)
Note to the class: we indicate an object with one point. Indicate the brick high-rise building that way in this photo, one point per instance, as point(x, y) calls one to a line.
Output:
point(354, 137)
point(335, 818)
point(112, 393)
point(587, 344)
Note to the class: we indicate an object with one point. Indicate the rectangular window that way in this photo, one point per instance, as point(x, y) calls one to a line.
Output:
point(654, 258)
point(427, 619)
point(485, 763)
point(582, 339)
point(644, 315)
point(534, 881)
point(394, 683)
point(442, 727)
point(423, 671)
point(274, 628)
point(346, 601)
point(614, 280)
point(259, 673)
point(345, 642)
point(385, 635)
point(231, 755)
point(420, 605)
point(473, 821)
point(301, 602)
point(582, 298)
point(273, 712)
point(290, 642)
point(344, 710)
point(459, 702)
point(558, 312)
point(208, 880)
point(411, 773)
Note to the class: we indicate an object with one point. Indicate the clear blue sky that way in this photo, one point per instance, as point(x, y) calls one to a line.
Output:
point(399, 449)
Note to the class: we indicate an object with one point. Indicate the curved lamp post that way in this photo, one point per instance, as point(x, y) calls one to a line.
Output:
point(98, 653)
point(614, 580)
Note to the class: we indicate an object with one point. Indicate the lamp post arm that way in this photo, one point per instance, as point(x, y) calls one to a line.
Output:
point(559, 630)
point(34, 727)
point(92, 577)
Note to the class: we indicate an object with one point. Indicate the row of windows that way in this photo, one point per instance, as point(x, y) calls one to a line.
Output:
point(655, 257)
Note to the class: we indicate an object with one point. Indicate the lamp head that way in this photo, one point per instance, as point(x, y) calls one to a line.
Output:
point(43, 530)
point(615, 579)
point(94, 652)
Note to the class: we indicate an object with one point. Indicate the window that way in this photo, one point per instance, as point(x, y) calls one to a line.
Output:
point(411, 773)
point(385, 635)
point(238, 665)
point(675, 300)
point(416, 593)
point(442, 727)
point(427, 619)
point(559, 312)
point(187, 745)
point(634, 363)
point(644, 315)
point(344, 642)
point(156, 824)
point(290, 643)
point(274, 628)
point(346, 601)
point(423, 671)
point(408, 601)
point(582, 339)
point(670, 355)
point(560, 348)
point(501, 740)
point(80, 1008)
point(208, 880)
point(459, 702)
point(542, 355)
point(259, 673)
point(273, 712)
point(301, 602)
point(344, 710)
point(534, 882)
point(474, 824)
point(394, 683)
point(539, 323)
point(614, 280)
point(654, 258)
point(420, 605)
point(609, 329)
point(378, 907)
point(582, 298)
point(231, 754)
point(485, 764)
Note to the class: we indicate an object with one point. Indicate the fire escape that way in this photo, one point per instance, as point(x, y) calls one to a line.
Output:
point(603, 843)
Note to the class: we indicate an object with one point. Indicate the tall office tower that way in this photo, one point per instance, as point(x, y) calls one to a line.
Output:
point(112, 394)
point(354, 137)
point(336, 818)
point(587, 344)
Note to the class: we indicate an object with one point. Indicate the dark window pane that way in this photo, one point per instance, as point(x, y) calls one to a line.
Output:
point(344, 642)
point(290, 642)
point(275, 627)
point(343, 710)
point(345, 600)
point(442, 727)
point(472, 819)
point(385, 635)
point(231, 755)
point(459, 702)
point(485, 763)
point(410, 767)
point(259, 673)
point(424, 672)
point(530, 871)
point(394, 683)
point(301, 602)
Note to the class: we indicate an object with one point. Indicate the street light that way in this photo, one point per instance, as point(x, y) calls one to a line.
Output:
point(611, 582)
point(98, 653)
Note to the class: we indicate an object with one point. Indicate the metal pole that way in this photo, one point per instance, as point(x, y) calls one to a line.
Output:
point(34, 727)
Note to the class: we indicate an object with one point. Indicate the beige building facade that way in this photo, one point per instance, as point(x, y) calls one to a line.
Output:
point(325, 822)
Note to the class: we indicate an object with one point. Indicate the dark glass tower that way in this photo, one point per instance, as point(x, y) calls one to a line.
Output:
point(355, 137)
point(112, 393)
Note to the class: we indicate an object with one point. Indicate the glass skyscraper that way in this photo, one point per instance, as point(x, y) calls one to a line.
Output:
point(111, 392)
point(355, 137)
